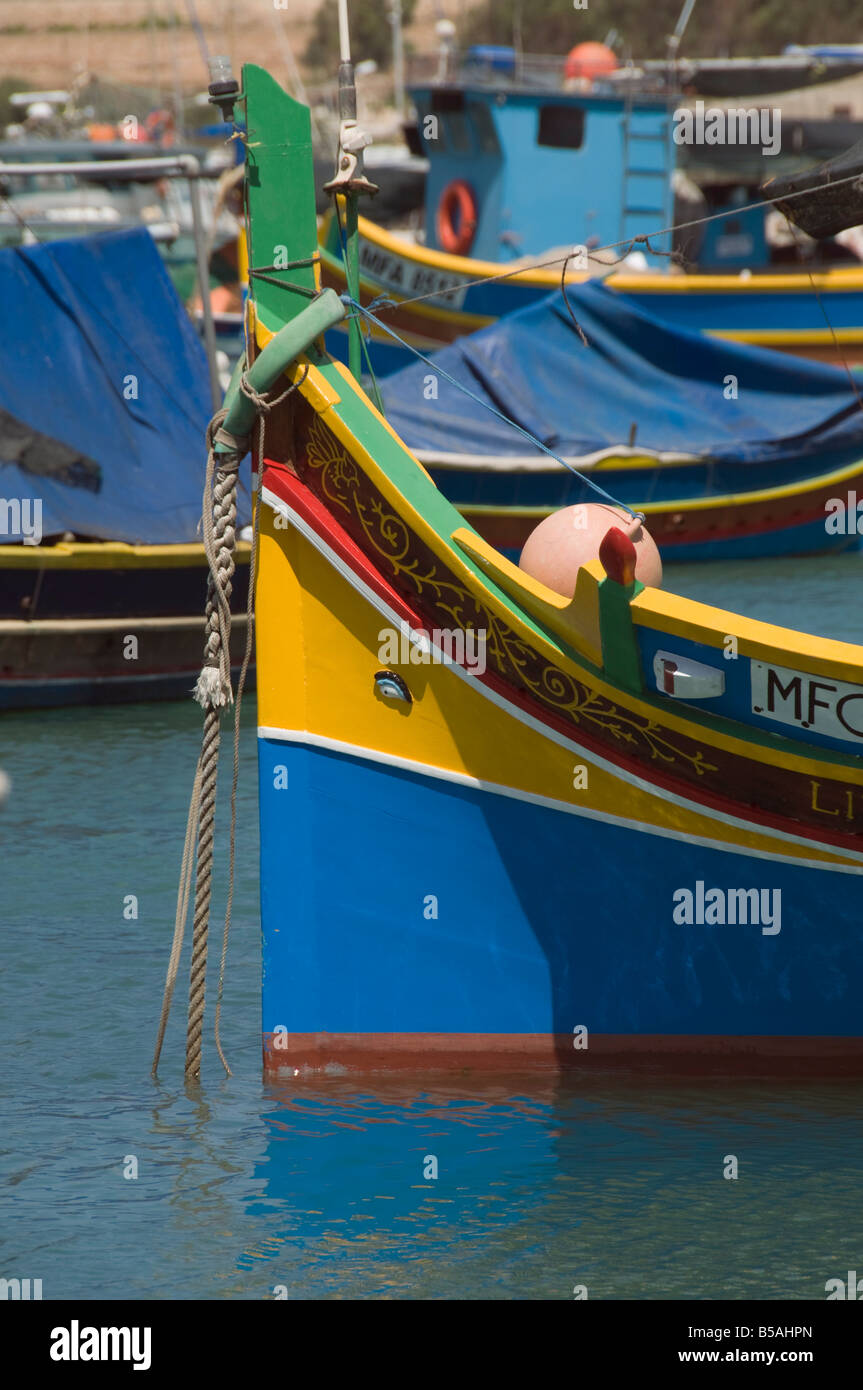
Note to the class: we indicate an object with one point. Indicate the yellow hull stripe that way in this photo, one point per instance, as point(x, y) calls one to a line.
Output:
point(652, 607)
point(319, 642)
point(694, 504)
point(844, 278)
point(109, 555)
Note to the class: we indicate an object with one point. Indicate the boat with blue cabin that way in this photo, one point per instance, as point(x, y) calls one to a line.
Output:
point(523, 171)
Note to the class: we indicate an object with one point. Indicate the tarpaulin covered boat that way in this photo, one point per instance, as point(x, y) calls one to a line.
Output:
point(104, 393)
point(730, 451)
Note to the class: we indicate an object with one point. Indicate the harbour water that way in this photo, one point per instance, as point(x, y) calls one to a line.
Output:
point(115, 1186)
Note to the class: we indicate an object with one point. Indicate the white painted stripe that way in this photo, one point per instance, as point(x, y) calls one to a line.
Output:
point(463, 779)
point(572, 746)
point(532, 463)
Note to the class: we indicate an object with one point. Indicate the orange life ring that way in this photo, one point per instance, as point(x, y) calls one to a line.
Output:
point(457, 216)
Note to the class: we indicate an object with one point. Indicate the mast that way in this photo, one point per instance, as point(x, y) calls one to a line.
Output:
point(398, 56)
point(674, 40)
point(349, 181)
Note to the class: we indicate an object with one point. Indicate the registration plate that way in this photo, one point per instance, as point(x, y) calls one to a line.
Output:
point(830, 707)
point(409, 279)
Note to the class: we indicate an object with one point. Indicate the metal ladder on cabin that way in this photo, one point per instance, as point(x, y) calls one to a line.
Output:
point(647, 196)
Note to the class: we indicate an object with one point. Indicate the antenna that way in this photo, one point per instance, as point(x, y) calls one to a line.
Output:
point(344, 33)
point(674, 39)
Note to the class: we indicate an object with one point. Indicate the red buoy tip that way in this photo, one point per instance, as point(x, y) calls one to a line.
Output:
point(617, 555)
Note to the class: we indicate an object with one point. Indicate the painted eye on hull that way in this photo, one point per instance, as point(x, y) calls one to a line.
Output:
point(390, 686)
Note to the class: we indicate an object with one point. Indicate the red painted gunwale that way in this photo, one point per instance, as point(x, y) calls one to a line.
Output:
point(285, 484)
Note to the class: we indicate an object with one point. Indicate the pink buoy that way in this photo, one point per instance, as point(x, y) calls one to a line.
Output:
point(554, 552)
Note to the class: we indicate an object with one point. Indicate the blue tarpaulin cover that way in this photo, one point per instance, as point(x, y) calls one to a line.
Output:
point(675, 386)
point(103, 383)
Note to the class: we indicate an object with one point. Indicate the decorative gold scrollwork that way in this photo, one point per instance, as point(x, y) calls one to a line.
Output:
point(344, 484)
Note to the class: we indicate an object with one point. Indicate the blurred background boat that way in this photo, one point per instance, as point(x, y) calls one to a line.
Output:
point(530, 156)
point(104, 403)
point(730, 451)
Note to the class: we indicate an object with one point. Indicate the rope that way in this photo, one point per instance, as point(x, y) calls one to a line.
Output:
point(376, 390)
point(798, 246)
point(213, 692)
point(575, 323)
point(264, 405)
point(526, 434)
point(181, 914)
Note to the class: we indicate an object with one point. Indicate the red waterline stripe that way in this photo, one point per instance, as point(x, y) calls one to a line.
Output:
point(294, 1054)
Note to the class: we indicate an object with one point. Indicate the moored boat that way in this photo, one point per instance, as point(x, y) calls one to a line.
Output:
point(815, 314)
point(502, 825)
point(104, 392)
point(728, 451)
point(522, 172)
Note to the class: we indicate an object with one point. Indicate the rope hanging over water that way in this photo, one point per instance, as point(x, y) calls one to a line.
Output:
point(213, 692)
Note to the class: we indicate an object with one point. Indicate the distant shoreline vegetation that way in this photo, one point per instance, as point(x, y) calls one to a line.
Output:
point(99, 27)
point(735, 28)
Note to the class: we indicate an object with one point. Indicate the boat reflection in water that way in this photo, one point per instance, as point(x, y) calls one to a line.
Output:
point(521, 1189)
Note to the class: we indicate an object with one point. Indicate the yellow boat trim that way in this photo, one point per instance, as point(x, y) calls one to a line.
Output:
point(843, 278)
point(652, 608)
point(304, 603)
point(698, 622)
point(807, 337)
point(110, 555)
point(440, 313)
point(725, 499)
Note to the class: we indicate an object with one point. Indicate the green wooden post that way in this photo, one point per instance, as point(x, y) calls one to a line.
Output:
point(621, 660)
point(352, 274)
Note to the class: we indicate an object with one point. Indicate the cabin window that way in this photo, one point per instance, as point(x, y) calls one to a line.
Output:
point(457, 129)
point(446, 101)
point(561, 127)
point(483, 124)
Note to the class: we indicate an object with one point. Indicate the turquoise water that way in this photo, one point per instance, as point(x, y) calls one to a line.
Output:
point(327, 1189)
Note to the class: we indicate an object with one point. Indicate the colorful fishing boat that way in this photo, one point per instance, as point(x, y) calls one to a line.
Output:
point(520, 172)
point(502, 825)
point(104, 392)
point(729, 451)
point(435, 297)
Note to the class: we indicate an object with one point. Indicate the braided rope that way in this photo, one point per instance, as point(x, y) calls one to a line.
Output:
point(203, 891)
point(213, 692)
point(263, 404)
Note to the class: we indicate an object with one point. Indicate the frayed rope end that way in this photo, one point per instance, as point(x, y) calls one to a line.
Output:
point(210, 690)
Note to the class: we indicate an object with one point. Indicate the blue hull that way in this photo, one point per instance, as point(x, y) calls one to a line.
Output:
point(545, 920)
